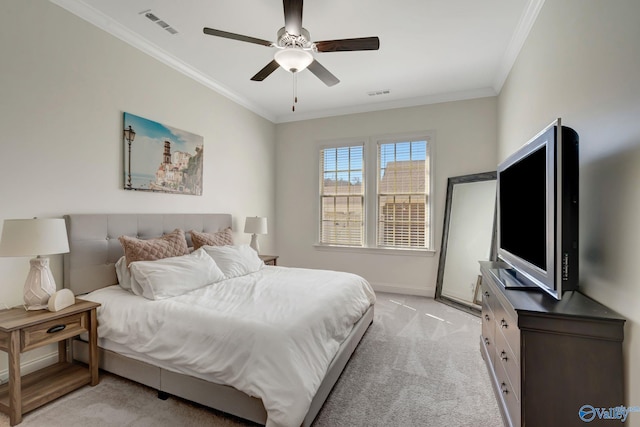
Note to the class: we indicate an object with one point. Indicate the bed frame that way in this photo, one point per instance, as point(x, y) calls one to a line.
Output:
point(90, 265)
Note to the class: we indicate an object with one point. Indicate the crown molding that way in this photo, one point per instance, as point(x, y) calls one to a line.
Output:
point(106, 23)
point(390, 105)
point(523, 28)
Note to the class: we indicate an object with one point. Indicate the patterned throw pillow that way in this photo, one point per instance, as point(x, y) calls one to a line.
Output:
point(221, 238)
point(169, 245)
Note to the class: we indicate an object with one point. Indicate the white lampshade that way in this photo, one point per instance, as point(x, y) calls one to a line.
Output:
point(29, 237)
point(293, 59)
point(255, 225)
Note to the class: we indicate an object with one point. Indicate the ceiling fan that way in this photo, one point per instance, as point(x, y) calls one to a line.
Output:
point(295, 46)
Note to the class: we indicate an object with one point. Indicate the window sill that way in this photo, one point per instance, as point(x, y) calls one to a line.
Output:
point(376, 251)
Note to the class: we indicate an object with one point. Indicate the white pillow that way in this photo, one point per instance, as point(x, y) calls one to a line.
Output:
point(170, 277)
point(124, 276)
point(235, 261)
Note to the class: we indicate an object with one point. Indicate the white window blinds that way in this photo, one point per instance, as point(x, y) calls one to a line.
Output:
point(403, 195)
point(342, 196)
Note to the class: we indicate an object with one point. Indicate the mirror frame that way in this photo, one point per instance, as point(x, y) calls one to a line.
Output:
point(451, 183)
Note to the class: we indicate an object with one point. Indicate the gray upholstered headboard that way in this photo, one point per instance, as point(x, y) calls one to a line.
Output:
point(94, 247)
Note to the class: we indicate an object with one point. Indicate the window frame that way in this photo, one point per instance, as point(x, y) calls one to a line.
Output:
point(341, 144)
point(428, 189)
point(370, 178)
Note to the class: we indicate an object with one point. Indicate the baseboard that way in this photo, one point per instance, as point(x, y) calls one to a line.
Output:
point(394, 289)
point(32, 365)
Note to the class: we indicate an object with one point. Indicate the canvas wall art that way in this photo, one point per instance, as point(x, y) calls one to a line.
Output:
point(161, 158)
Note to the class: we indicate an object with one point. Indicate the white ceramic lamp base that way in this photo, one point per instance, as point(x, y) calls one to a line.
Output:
point(39, 285)
point(254, 243)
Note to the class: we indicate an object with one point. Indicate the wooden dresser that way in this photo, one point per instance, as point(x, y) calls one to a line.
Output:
point(547, 359)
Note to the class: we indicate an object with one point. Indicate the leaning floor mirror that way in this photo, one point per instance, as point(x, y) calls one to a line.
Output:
point(467, 237)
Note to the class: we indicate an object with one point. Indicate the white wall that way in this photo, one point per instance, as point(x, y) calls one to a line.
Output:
point(465, 142)
point(64, 85)
point(581, 62)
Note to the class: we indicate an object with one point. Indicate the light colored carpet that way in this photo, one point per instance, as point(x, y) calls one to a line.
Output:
point(419, 364)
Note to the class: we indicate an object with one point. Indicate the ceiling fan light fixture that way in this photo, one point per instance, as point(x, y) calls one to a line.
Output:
point(293, 59)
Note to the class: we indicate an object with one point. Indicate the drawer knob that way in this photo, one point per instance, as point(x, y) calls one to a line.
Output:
point(504, 324)
point(503, 356)
point(486, 294)
point(503, 388)
point(486, 317)
point(57, 328)
point(486, 341)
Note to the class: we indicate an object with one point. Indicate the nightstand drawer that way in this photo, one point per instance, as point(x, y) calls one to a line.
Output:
point(53, 331)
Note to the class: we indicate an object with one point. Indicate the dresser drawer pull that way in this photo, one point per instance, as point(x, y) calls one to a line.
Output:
point(504, 324)
point(57, 328)
point(503, 388)
point(486, 317)
point(486, 341)
point(486, 294)
point(503, 356)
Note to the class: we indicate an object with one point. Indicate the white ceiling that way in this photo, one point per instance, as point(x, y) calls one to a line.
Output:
point(430, 50)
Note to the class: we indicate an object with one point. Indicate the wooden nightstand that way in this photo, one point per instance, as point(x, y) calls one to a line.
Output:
point(22, 330)
point(269, 259)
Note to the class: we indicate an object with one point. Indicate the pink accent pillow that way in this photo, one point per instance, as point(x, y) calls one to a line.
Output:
point(221, 238)
point(169, 245)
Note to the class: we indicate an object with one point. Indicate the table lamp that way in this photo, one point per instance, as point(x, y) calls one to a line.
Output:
point(255, 225)
point(35, 237)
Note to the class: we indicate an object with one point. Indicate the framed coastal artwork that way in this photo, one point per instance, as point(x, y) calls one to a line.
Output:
point(161, 158)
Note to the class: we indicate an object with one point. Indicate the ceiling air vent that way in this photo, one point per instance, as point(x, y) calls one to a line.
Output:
point(154, 18)
point(379, 92)
point(151, 16)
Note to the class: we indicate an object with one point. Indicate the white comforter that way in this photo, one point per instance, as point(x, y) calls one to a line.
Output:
point(270, 334)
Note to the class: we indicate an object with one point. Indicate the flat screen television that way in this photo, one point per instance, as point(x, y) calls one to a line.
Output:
point(537, 212)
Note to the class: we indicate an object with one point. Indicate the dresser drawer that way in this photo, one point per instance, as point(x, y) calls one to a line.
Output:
point(488, 327)
point(508, 326)
point(509, 397)
point(504, 356)
point(488, 333)
point(53, 331)
point(488, 296)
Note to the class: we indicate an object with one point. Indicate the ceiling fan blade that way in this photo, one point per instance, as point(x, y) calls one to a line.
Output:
point(323, 74)
point(266, 71)
point(343, 45)
point(293, 16)
point(233, 36)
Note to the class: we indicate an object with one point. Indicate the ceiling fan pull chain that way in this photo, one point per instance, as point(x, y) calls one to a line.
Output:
point(295, 91)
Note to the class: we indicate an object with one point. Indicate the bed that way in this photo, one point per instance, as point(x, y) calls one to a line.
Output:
point(89, 271)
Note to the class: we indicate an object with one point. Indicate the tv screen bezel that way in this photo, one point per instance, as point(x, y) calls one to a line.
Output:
point(529, 275)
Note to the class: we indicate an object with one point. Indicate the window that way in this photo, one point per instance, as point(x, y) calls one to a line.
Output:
point(402, 195)
point(342, 196)
point(375, 194)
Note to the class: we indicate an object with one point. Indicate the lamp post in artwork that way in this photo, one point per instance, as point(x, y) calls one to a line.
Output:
point(129, 136)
